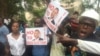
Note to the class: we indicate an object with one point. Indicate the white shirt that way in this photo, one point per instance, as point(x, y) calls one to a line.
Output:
point(17, 47)
point(7, 21)
point(88, 46)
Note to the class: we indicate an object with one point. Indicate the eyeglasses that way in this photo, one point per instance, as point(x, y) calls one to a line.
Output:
point(87, 24)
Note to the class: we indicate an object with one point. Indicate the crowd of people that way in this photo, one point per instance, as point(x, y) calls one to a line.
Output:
point(76, 36)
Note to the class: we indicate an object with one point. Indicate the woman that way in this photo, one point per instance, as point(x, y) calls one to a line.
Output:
point(16, 41)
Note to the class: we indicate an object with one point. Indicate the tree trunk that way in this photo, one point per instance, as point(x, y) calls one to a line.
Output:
point(3, 8)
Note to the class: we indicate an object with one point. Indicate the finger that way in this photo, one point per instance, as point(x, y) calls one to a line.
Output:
point(66, 35)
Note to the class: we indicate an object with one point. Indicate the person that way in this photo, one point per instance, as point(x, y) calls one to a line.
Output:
point(21, 28)
point(87, 24)
point(37, 22)
point(37, 35)
point(74, 15)
point(2, 49)
point(16, 41)
point(53, 15)
point(41, 50)
point(57, 49)
point(84, 45)
point(3, 32)
point(32, 48)
point(72, 23)
point(71, 28)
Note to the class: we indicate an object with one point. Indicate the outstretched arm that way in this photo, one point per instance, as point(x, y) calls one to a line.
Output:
point(92, 47)
point(87, 46)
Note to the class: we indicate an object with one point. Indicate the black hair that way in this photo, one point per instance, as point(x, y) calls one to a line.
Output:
point(39, 22)
point(37, 30)
point(76, 12)
point(15, 22)
point(57, 9)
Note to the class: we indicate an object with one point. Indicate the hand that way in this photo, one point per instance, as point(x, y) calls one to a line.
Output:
point(66, 40)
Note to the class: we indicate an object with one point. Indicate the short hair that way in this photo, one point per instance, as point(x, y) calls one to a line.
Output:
point(2, 48)
point(15, 22)
point(37, 30)
point(76, 12)
point(57, 9)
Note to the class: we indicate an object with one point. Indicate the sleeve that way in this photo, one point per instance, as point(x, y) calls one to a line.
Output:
point(5, 31)
point(87, 46)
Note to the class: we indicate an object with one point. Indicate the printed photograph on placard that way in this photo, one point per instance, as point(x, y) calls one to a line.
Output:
point(54, 15)
point(36, 36)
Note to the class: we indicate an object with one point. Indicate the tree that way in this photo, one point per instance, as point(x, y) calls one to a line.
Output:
point(3, 8)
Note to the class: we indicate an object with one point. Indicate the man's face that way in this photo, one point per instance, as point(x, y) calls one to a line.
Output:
point(38, 23)
point(86, 27)
point(54, 13)
point(36, 34)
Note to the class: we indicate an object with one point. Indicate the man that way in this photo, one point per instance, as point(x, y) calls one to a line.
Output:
point(87, 46)
point(72, 23)
point(32, 50)
point(41, 50)
point(3, 32)
point(54, 14)
point(37, 35)
point(38, 22)
point(87, 24)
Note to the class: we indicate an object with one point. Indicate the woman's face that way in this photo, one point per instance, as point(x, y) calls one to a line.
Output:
point(15, 27)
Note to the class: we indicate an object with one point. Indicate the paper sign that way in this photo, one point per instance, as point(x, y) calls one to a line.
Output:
point(36, 36)
point(54, 15)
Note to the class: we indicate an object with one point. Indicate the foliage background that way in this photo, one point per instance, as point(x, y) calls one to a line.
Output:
point(16, 9)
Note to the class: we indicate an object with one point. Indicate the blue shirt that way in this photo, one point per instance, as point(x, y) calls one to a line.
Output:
point(41, 50)
point(3, 32)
